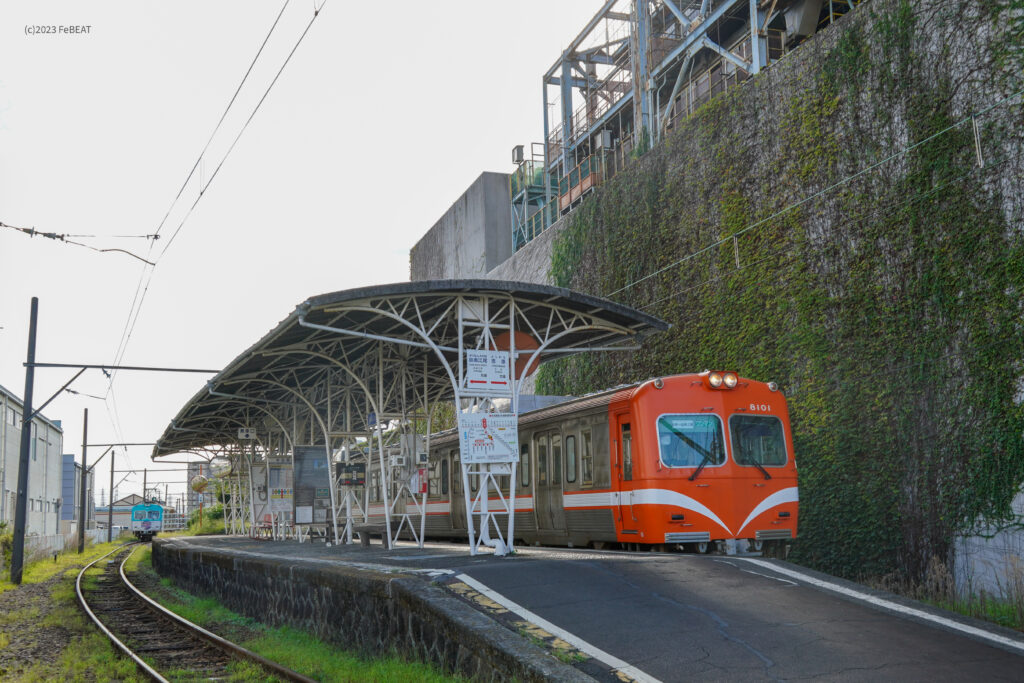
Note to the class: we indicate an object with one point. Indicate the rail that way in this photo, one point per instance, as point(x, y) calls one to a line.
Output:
point(232, 649)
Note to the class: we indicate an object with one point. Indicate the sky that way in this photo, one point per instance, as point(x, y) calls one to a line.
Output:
point(383, 116)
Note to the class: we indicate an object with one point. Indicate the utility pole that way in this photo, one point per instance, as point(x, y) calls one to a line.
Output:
point(82, 488)
point(110, 505)
point(144, 470)
point(18, 551)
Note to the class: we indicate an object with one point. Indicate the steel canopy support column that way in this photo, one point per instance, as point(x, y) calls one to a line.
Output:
point(380, 445)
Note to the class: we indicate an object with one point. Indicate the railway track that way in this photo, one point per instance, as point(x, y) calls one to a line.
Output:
point(144, 630)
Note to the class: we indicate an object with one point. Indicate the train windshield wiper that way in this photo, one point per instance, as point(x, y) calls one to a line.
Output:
point(701, 466)
point(708, 455)
point(751, 461)
point(761, 467)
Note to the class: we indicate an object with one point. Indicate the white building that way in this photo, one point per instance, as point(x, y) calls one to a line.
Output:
point(45, 473)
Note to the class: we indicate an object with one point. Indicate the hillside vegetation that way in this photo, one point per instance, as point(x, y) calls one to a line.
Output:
point(827, 225)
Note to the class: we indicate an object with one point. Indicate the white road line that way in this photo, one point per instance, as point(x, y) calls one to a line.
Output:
point(583, 646)
point(895, 607)
point(774, 578)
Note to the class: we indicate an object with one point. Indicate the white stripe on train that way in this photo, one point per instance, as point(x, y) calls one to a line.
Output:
point(608, 499)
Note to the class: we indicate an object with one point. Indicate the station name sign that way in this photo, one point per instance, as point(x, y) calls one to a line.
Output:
point(486, 373)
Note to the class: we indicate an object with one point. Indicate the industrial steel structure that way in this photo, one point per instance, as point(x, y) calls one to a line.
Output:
point(357, 376)
point(636, 69)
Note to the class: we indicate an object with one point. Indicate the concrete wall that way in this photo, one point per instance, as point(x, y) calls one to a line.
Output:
point(471, 238)
point(532, 263)
point(361, 609)
point(993, 562)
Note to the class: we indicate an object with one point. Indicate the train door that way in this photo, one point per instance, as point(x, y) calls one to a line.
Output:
point(458, 501)
point(624, 454)
point(550, 506)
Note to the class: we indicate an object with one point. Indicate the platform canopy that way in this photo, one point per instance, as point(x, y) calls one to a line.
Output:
point(348, 385)
point(394, 345)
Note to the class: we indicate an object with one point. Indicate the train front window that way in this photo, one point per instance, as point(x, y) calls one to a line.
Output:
point(757, 440)
point(691, 440)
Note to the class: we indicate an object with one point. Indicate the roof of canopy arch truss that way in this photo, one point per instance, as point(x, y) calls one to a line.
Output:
point(388, 350)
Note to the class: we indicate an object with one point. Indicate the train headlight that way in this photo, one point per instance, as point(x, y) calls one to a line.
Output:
point(715, 380)
point(730, 380)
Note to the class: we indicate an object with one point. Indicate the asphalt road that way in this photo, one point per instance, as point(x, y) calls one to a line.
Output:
point(688, 617)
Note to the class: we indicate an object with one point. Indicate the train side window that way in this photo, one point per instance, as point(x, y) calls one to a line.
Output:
point(587, 457)
point(570, 459)
point(524, 465)
point(542, 461)
point(433, 472)
point(456, 473)
point(556, 458)
point(627, 453)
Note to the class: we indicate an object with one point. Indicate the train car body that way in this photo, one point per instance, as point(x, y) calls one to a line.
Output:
point(147, 520)
point(673, 462)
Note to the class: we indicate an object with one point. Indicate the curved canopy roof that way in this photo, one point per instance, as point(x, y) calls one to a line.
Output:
point(341, 358)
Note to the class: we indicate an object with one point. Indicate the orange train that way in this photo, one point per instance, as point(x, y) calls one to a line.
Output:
point(682, 462)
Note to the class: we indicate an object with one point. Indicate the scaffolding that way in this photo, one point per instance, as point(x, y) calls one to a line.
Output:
point(633, 73)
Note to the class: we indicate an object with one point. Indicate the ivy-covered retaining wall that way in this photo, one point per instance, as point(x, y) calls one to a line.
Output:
point(827, 225)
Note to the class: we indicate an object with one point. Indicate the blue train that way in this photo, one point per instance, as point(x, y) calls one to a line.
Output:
point(147, 520)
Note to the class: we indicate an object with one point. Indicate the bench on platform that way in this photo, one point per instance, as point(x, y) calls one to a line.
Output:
point(367, 530)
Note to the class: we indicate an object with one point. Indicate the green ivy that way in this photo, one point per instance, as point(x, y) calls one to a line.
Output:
point(888, 306)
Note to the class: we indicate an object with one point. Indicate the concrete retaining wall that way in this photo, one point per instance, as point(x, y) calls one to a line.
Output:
point(471, 238)
point(371, 612)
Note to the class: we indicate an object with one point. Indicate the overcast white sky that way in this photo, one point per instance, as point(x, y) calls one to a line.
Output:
point(383, 117)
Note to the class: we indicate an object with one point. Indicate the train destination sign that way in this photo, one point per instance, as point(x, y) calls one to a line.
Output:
point(488, 438)
point(487, 373)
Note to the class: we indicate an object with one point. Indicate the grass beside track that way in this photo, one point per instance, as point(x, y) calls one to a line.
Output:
point(290, 647)
point(45, 636)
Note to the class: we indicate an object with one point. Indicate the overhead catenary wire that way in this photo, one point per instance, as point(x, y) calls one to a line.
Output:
point(146, 275)
point(145, 278)
point(62, 237)
point(245, 126)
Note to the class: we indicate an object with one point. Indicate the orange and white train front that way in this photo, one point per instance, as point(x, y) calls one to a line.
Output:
point(704, 458)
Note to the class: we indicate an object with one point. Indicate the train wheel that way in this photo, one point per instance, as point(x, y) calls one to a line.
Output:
point(701, 547)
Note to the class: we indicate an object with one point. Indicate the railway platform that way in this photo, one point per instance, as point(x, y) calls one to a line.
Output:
point(666, 617)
